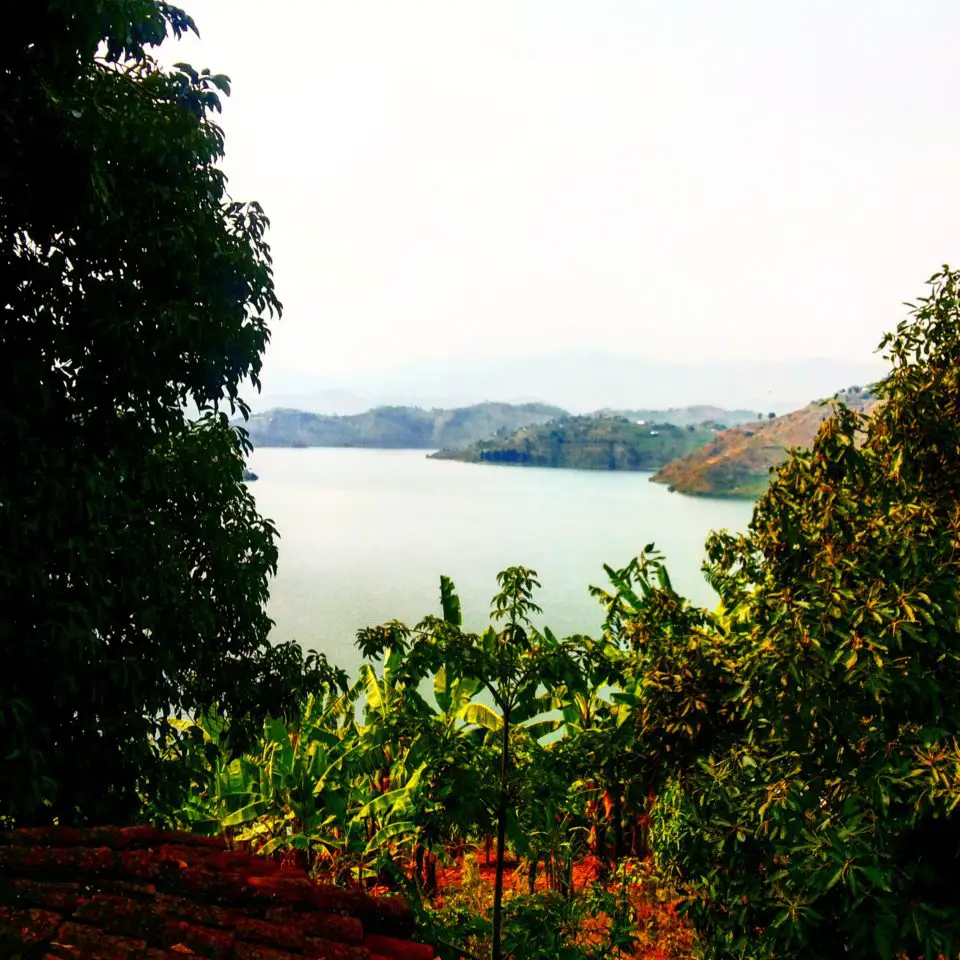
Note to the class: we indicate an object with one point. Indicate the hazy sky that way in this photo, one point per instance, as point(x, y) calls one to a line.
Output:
point(682, 179)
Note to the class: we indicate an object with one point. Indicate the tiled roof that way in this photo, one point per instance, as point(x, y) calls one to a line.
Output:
point(120, 894)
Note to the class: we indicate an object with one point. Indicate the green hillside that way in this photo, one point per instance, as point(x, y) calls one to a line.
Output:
point(395, 427)
point(587, 443)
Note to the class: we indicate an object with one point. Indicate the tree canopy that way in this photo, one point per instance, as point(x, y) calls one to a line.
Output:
point(817, 815)
point(135, 565)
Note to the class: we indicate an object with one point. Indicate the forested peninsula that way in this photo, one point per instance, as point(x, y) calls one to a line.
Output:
point(397, 427)
point(723, 453)
point(588, 443)
point(701, 450)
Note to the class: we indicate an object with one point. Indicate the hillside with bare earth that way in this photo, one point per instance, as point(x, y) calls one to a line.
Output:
point(737, 462)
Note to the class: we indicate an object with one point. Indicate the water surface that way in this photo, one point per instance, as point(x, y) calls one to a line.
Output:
point(365, 535)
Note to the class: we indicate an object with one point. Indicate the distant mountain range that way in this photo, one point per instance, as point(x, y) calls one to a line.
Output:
point(453, 429)
point(576, 380)
point(395, 427)
point(737, 462)
point(701, 449)
point(587, 443)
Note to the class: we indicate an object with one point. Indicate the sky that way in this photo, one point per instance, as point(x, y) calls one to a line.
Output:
point(679, 181)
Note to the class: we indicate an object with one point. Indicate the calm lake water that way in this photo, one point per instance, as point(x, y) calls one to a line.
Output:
point(366, 534)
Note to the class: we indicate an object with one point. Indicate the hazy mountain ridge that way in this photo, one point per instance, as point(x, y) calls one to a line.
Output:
point(737, 462)
point(587, 443)
point(418, 428)
point(685, 416)
point(580, 380)
point(394, 427)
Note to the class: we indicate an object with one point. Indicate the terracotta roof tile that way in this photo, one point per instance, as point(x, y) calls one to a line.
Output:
point(105, 893)
point(331, 926)
point(401, 949)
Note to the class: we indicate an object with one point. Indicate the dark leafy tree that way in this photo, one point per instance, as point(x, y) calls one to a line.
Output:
point(134, 566)
point(671, 678)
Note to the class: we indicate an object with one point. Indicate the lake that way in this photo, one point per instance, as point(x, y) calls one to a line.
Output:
point(366, 534)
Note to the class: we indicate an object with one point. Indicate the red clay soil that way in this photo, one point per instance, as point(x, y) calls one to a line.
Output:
point(119, 894)
point(662, 934)
point(585, 872)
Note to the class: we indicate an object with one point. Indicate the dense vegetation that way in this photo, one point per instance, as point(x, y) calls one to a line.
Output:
point(134, 566)
point(453, 751)
point(395, 427)
point(788, 759)
point(587, 443)
point(737, 462)
point(817, 814)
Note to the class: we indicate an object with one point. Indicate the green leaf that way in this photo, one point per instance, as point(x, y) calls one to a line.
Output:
point(273, 845)
point(481, 715)
point(883, 934)
point(441, 690)
point(450, 602)
point(391, 801)
point(245, 814)
point(542, 728)
point(390, 832)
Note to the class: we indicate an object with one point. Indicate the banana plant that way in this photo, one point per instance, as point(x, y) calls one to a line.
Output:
point(426, 793)
point(198, 748)
point(515, 664)
point(296, 793)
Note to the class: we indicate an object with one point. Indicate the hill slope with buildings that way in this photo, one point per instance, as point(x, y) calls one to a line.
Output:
point(587, 443)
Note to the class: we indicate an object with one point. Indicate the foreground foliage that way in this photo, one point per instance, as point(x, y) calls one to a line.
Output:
point(789, 759)
point(819, 819)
